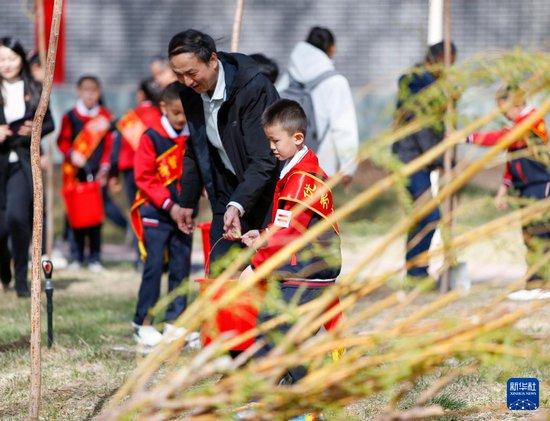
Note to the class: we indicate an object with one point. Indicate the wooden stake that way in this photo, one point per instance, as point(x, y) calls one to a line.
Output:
point(49, 168)
point(237, 22)
point(37, 223)
point(448, 157)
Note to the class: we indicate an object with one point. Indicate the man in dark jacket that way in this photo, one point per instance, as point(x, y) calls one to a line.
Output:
point(223, 98)
point(416, 144)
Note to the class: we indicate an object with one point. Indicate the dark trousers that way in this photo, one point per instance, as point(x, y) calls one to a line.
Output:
point(419, 183)
point(19, 221)
point(536, 235)
point(93, 235)
point(131, 189)
point(220, 258)
point(288, 292)
point(158, 239)
point(5, 255)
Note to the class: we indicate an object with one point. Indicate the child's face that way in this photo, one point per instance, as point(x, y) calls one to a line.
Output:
point(195, 73)
point(283, 145)
point(89, 92)
point(10, 64)
point(514, 111)
point(173, 110)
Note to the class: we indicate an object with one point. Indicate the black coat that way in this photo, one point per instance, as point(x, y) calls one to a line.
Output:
point(21, 145)
point(249, 93)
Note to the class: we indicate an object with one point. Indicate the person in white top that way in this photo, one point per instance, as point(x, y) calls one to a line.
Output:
point(332, 102)
point(19, 96)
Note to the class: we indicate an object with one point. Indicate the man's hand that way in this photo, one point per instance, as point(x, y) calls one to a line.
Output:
point(232, 224)
point(77, 159)
point(4, 132)
point(183, 217)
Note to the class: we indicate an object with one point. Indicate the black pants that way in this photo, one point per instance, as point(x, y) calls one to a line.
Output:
point(93, 235)
point(112, 211)
point(288, 293)
point(536, 235)
point(19, 221)
point(5, 255)
point(158, 239)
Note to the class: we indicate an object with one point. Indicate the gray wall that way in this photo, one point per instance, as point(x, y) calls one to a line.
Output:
point(376, 39)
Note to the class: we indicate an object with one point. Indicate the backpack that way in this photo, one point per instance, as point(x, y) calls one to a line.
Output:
point(301, 93)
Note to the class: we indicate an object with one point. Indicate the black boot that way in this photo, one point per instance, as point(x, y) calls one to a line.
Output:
point(22, 290)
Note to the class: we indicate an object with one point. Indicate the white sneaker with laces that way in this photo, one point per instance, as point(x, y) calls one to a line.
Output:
point(172, 332)
point(96, 267)
point(147, 335)
point(74, 266)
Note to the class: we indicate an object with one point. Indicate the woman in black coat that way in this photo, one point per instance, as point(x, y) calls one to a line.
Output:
point(19, 96)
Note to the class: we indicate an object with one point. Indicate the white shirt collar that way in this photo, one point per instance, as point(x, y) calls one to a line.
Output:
point(292, 163)
point(526, 110)
point(219, 91)
point(170, 130)
point(84, 111)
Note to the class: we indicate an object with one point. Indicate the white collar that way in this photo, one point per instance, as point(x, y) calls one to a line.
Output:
point(219, 91)
point(170, 130)
point(526, 110)
point(84, 111)
point(12, 85)
point(292, 163)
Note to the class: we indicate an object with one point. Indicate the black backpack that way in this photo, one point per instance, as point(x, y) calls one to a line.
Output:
point(301, 93)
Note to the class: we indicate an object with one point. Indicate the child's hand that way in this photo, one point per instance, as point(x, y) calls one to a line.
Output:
point(77, 159)
point(114, 185)
point(250, 237)
point(501, 199)
point(25, 129)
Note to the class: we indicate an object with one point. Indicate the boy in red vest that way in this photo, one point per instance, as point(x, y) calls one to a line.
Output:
point(528, 174)
point(158, 168)
point(305, 275)
point(85, 141)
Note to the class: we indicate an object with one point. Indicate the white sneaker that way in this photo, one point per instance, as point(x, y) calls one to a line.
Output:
point(74, 266)
point(96, 267)
point(172, 332)
point(194, 340)
point(147, 336)
point(529, 294)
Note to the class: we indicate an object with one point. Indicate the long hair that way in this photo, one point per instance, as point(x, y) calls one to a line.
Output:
point(32, 87)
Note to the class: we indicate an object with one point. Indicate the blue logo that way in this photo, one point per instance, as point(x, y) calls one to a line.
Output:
point(522, 394)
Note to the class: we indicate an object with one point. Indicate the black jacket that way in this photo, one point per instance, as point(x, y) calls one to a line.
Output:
point(239, 124)
point(21, 145)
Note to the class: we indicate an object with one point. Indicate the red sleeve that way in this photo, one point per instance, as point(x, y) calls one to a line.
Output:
point(487, 138)
point(283, 236)
point(64, 141)
point(145, 173)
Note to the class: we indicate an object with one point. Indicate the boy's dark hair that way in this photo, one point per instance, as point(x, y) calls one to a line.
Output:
point(34, 58)
point(289, 114)
point(91, 78)
point(436, 52)
point(322, 38)
point(171, 92)
point(510, 92)
point(268, 67)
point(192, 41)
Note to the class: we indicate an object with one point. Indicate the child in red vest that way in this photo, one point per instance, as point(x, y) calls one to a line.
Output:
point(158, 167)
point(85, 140)
point(303, 277)
point(528, 174)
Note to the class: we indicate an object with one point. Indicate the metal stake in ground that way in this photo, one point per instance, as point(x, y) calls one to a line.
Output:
point(37, 223)
point(47, 267)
